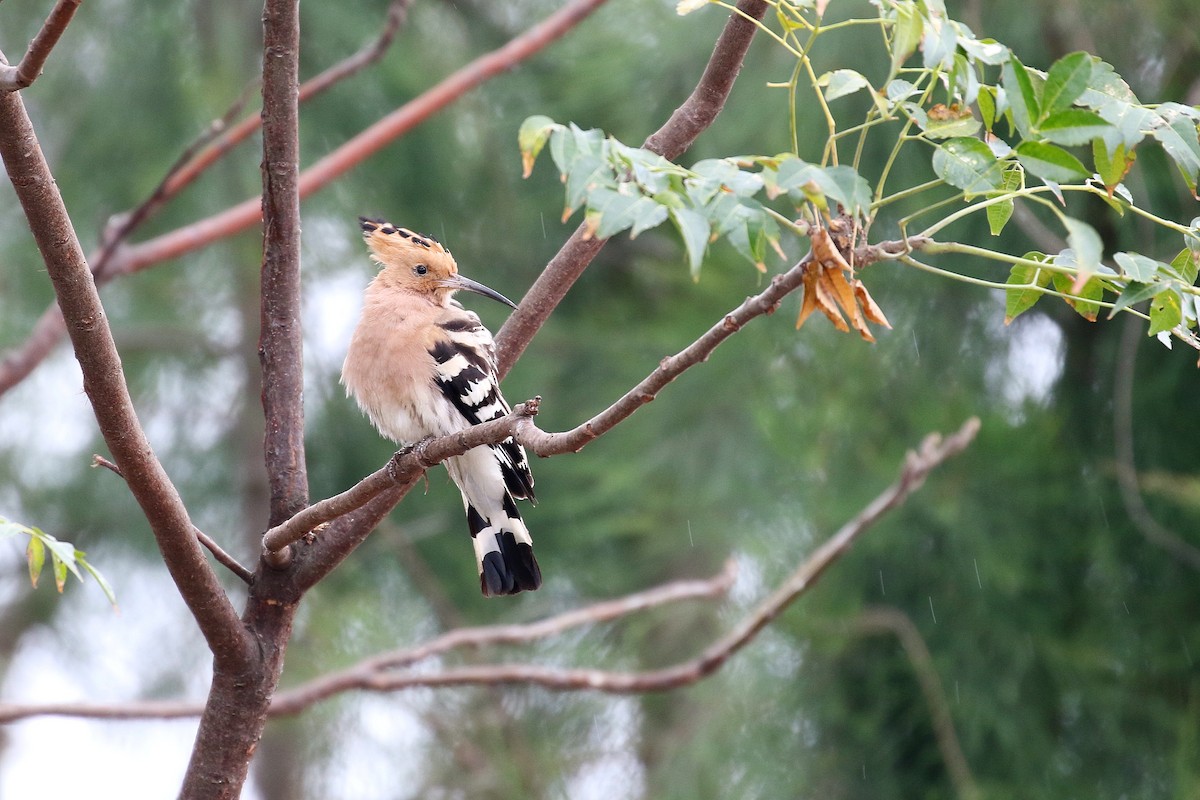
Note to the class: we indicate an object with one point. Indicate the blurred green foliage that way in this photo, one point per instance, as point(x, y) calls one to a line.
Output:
point(1064, 640)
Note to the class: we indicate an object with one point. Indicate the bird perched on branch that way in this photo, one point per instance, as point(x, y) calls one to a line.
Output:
point(421, 365)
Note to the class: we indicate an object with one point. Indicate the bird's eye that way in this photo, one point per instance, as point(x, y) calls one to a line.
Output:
point(420, 269)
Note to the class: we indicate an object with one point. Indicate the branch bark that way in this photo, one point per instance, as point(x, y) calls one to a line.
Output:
point(26, 72)
point(104, 383)
point(280, 345)
point(235, 712)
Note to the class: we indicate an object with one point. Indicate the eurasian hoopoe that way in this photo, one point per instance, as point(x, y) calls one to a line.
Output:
point(421, 365)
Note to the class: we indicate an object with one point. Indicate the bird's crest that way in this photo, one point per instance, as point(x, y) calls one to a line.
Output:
point(391, 245)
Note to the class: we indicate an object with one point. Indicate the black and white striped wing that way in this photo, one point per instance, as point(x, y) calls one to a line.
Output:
point(466, 374)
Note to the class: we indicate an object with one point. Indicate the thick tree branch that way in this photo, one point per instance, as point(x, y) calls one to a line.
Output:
point(26, 72)
point(670, 141)
point(104, 382)
point(281, 345)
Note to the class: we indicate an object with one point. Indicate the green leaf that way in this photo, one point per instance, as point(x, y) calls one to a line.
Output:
point(63, 556)
point(570, 143)
point(1134, 293)
point(619, 211)
point(1166, 311)
point(1130, 123)
point(906, 33)
point(1019, 300)
point(1065, 82)
point(938, 43)
point(1112, 165)
point(1177, 134)
point(1186, 266)
point(1050, 162)
point(586, 173)
point(987, 106)
point(949, 128)
point(35, 554)
point(1073, 127)
point(1085, 243)
point(1086, 300)
point(968, 164)
point(999, 214)
point(1106, 85)
point(841, 82)
point(95, 573)
point(694, 230)
point(1022, 97)
point(532, 137)
point(848, 188)
point(1138, 268)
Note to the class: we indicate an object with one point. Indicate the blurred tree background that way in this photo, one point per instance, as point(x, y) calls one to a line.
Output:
point(1064, 637)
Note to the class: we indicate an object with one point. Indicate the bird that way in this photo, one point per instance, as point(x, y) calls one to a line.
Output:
point(420, 365)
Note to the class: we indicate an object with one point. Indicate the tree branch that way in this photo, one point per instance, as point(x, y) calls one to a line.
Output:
point(379, 675)
point(281, 345)
point(897, 623)
point(670, 141)
point(222, 557)
point(933, 452)
point(295, 700)
point(26, 72)
point(360, 147)
point(104, 383)
point(1154, 531)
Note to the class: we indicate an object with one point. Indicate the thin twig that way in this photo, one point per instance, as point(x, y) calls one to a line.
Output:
point(897, 623)
point(1143, 520)
point(26, 72)
point(349, 155)
point(222, 557)
point(404, 467)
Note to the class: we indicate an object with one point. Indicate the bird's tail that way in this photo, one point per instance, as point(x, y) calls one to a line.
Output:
point(503, 551)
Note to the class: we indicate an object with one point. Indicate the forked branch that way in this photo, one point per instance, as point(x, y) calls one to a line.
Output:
point(26, 72)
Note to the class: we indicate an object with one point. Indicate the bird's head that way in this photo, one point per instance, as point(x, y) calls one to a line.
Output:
point(418, 263)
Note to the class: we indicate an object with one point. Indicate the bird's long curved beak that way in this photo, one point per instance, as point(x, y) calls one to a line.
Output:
point(462, 282)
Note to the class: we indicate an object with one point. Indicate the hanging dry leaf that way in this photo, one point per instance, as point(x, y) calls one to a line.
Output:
point(830, 285)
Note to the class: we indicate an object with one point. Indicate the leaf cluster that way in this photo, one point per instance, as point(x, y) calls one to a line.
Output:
point(64, 557)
